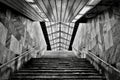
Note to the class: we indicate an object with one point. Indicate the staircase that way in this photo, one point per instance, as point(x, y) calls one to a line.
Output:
point(57, 69)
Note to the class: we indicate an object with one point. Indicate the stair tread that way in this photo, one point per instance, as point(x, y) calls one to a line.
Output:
point(57, 69)
point(69, 70)
point(56, 76)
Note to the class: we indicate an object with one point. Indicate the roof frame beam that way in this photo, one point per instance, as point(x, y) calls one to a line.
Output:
point(59, 38)
point(59, 32)
point(66, 25)
point(60, 43)
point(53, 24)
point(59, 47)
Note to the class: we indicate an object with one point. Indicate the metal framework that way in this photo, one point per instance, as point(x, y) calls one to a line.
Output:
point(60, 16)
point(59, 43)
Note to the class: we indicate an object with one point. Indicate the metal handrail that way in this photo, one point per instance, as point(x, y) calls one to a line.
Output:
point(10, 61)
point(107, 64)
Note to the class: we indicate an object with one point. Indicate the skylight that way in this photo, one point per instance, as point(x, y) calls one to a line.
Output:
point(59, 34)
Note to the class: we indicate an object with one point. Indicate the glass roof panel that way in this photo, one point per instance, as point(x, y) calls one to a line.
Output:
point(53, 29)
point(53, 35)
point(57, 35)
point(57, 40)
point(50, 37)
point(57, 44)
point(62, 34)
point(49, 30)
point(70, 30)
point(62, 40)
point(72, 24)
point(67, 43)
point(64, 28)
point(47, 24)
point(60, 37)
point(65, 36)
point(51, 42)
point(69, 37)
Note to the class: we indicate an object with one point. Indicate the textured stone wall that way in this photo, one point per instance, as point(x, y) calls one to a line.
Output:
point(101, 35)
point(18, 34)
point(36, 34)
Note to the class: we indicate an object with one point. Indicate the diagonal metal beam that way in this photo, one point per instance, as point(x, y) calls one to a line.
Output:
point(70, 10)
point(79, 8)
point(59, 23)
point(56, 9)
point(52, 3)
point(67, 25)
point(59, 38)
point(68, 32)
point(49, 9)
point(59, 32)
point(52, 10)
point(39, 6)
point(60, 47)
point(53, 24)
point(59, 43)
point(48, 12)
point(65, 10)
point(76, 5)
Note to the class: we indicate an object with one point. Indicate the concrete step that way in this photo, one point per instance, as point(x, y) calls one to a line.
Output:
point(59, 77)
point(58, 74)
point(57, 69)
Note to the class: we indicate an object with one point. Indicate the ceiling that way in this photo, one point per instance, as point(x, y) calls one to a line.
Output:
point(59, 16)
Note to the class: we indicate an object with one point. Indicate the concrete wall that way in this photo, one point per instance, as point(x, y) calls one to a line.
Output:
point(18, 34)
point(101, 35)
point(36, 34)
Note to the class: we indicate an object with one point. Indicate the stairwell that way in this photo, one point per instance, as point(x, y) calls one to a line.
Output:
point(57, 68)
